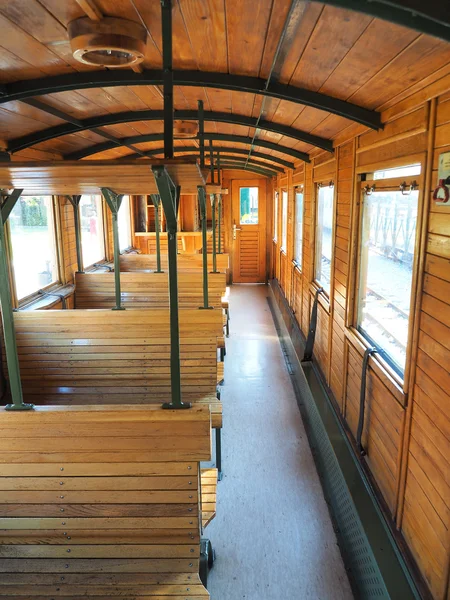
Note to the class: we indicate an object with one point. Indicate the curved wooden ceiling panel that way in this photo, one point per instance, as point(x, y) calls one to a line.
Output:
point(301, 71)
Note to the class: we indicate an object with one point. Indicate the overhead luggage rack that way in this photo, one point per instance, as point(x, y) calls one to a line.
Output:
point(87, 177)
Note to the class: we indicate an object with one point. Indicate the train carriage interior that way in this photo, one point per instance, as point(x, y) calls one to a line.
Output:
point(225, 299)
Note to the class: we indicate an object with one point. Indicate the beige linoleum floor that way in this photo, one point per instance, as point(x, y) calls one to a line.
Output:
point(272, 533)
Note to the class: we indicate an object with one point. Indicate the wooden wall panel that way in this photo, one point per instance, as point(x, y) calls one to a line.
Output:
point(407, 429)
point(426, 510)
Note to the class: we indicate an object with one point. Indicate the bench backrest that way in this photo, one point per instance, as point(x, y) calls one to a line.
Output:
point(113, 357)
point(99, 497)
point(146, 290)
point(186, 262)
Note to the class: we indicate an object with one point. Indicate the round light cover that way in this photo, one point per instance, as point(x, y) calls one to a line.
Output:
point(111, 42)
point(185, 129)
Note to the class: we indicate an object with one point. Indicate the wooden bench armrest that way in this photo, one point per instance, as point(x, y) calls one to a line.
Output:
point(209, 495)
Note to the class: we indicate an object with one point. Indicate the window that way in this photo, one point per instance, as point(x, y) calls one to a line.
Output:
point(124, 221)
point(298, 232)
point(275, 218)
point(92, 240)
point(248, 206)
point(324, 230)
point(388, 232)
point(284, 210)
point(398, 172)
point(31, 224)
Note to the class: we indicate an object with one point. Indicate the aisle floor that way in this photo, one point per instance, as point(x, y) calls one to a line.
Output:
point(272, 534)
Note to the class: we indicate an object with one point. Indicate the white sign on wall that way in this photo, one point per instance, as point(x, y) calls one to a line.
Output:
point(441, 194)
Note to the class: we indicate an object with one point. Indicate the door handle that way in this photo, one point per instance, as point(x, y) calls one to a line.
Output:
point(234, 231)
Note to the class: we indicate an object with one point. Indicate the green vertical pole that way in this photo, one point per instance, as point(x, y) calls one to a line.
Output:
point(168, 194)
point(114, 201)
point(75, 202)
point(9, 333)
point(202, 203)
point(214, 241)
point(219, 209)
point(156, 200)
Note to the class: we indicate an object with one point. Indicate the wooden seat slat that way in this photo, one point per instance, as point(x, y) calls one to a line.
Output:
point(185, 262)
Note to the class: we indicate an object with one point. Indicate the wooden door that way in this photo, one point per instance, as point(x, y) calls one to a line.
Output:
point(248, 224)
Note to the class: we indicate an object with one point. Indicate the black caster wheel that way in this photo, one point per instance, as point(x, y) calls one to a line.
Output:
point(207, 558)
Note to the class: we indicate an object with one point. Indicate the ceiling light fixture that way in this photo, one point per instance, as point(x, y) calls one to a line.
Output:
point(111, 42)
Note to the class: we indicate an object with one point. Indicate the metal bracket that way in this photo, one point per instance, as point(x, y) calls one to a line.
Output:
point(114, 201)
point(403, 187)
point(169, 194)
point(9, 203)
point(75, 202)
point(201, 133)
point(309, 346)
point(202, 204)
point(362, 399)
point(213, 224)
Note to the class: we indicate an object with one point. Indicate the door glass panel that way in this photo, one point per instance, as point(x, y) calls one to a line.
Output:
point(248, 206)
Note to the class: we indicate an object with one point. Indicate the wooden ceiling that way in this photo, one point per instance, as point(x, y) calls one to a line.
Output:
point(341, 54)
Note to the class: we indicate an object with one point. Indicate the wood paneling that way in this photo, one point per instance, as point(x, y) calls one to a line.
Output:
point(409, 465)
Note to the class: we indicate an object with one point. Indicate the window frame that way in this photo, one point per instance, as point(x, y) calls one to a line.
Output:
point(284, 220)
point(364, 176)
point(54, 285)
point(298, 189)
point(315, 282)
point(276, 202)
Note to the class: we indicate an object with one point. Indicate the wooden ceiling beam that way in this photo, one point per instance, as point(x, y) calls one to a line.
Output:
point(91, 9)
point(21, 90)
point(156, 115)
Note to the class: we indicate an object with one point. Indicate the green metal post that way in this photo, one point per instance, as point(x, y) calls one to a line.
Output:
point(9, 333)
point(75, 202)
point(168, 194)
point(214, 241)
point(114, 201)
point(202, 203)
point(156, 201)
point(219, 209)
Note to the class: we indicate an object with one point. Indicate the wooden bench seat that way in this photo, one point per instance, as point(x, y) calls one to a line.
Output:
point(146, 290)
point(102, 502)
point(209, 495)
point(185, 262)
point(105, 357)
point(149, 290)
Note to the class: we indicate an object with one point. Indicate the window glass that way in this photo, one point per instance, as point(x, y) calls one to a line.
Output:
point(124, 221)
point(324, 236)
point(298, 233)
point(248, 202)
point(92, 240)
point(398, 172)
point(275, 217)
point(385, 272)
point(33, 244)
point(284, 209)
